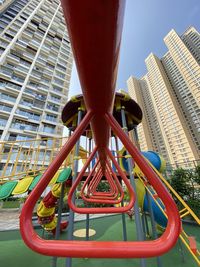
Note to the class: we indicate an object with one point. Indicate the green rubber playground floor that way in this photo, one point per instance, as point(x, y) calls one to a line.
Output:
point(13, 251)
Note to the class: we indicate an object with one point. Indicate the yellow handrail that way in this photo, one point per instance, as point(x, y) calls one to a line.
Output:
point(175, 193)
point(182, 232)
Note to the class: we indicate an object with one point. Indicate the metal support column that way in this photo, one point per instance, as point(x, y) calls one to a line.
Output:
point(135, 134)
point(143, 225)
point(87, 215)
point(146, 224)
point(140, 234)
point(57, 235)
point(153, 224)
point(71, 213)
point(122, 203)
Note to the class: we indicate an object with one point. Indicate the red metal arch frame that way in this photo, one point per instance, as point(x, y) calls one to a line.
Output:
point(93, 194)
point(95, 29)
point(104, 209)
point(113, 181)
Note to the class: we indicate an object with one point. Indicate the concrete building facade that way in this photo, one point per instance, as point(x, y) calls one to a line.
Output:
point(170, 100)
point(35, 69)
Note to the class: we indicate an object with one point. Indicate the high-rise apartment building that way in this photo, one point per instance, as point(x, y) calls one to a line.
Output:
point(170, 99)
point(151, 134)
point(35, 69)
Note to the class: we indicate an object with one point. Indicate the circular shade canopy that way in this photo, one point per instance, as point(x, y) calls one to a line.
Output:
point(132, 110)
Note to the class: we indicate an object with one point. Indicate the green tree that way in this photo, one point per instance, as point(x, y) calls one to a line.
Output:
point(197, 175)
point(186, 183)
point(180, 181)
point(103, 187)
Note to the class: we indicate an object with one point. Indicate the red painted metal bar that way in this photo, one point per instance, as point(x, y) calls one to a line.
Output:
point(111, 249)
point(113, 180)
point(86, 183)
point(93, 186)
point(93, 210)
point(88, 193)
point(104, 197)
point(101, 198)
point(174, 224)
point(95, 29)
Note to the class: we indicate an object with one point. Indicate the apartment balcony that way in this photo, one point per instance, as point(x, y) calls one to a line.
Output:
point(6, 98)
point(11, 32)
point(19, 45)
point(46, 50)
point(59, 85)
point(16, 25)
point(37, 109)
point(52, 60)
point(40, 97)
point(14, 88)
point(61, 61)
point(42, 27)
point(25, 65)
point(49, 41)
point(40, 63)
point(3, 122)
point(50, 121)
point(62, 70)
point(36, 73)
point(25, 128)
point(34, 45)
point(27, 35)
point(12, 59)
point(26, 105)
point(43, 89)
point(28, 96)
point(38, 34)
point(28, 56)
point(48, 132)
point(20, 116)
point(4, 73)
point(28, 114)
point(53, 107)
point(47, 73)
point(18, 79)
point(32, 26)
point(7, 38)
point(21, 70)
point(54, 100)
point(35, 78)
point(64, 55)
point(60, 76)
point(5, 109)
point(14, 28)
point(55, 50)
point(57, 91)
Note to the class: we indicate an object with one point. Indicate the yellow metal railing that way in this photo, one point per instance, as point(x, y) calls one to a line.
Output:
point(187, 210)
point(183, 236)
point(29, 157)
point(24, 157)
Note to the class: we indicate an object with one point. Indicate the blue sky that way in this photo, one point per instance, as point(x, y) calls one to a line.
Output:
point(146, 23)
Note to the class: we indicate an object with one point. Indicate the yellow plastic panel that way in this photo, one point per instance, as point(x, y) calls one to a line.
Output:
point(140, 192)
point(23, 185)
point(54, 179)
